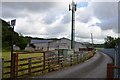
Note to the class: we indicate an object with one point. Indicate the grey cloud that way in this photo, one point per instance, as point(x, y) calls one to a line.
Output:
point(49, 18)
point(107, 13)
point(55, 14)
point(105, 25)
point(51, 32)
point(119, 18)
point(105, 10)
point(84, 20)
point(66, 19)
point(21, 9)
point(12, 9)
point(59, 29)
point(82, 35)
point(83, 16)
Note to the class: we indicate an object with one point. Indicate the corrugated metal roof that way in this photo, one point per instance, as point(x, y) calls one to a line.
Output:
point(40, 41)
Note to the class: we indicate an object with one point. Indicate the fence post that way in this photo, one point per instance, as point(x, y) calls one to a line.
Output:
point(61, 61)
point(77, 58)
point(13, 66)
point(82, 57)
point(29, 66)
point(43, 61)
point(14, 55)
point(70, 60)
point(110, 71)
point(48, 65)
point(2, 68)
point(16, 64)
point(58, 56)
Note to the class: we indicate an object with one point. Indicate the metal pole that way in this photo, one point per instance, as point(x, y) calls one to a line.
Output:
point(73, 30)
point(12, 75)
point(118, 58)
point(92, 40)
point(115, 62)
point(73, 9)
point(58, 56)
point(12, 57)
point(117, 55)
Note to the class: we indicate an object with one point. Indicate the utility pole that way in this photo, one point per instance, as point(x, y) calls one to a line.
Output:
point(118, 59)
point(72, 7)
point(92, 40)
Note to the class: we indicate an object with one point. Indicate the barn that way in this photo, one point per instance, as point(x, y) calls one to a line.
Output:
point(63, 43)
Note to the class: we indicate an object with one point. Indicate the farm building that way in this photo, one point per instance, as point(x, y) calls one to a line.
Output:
point(29, 48)
point(40, 44)
point(16, 48)
point(63, 43)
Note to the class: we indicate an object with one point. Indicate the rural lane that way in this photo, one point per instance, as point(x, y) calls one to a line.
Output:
point(95, 67)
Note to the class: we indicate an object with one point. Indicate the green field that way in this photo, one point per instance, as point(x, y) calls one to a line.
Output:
point(7, 55)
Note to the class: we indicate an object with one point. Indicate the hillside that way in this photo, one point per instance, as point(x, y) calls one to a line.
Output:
point(18, 39)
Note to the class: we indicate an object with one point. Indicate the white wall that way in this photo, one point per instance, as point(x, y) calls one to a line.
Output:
point(58, 44)
point(41, 46)
point(16, 48)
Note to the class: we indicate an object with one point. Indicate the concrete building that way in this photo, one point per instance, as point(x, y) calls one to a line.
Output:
point(63, 43)
point(29, 48)
point(16, 48)
point(41, 45)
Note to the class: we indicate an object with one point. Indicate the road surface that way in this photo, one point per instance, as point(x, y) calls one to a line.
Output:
point(95, 67)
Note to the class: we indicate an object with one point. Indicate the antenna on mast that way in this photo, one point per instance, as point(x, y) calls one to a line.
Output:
point(72, 7)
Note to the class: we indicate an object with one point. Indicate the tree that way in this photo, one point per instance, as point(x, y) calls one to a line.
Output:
point(7, 33)
point(22, 42)
point(110, 42)
point(32, 45)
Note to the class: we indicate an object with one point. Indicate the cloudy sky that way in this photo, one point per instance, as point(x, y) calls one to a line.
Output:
point(53, 19)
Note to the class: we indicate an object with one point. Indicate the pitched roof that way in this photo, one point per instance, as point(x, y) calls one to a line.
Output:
point(40, 41)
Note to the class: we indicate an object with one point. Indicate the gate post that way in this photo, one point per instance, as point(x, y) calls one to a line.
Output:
point(29, 66)
point(16, 64)
point(13, 66)
point(110, 71)
point(71, 60)
point(58, 56)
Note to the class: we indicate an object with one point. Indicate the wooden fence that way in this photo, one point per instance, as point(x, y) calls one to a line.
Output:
point(28, 67)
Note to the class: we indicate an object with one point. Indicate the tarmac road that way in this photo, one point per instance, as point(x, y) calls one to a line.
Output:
point(96, 67)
